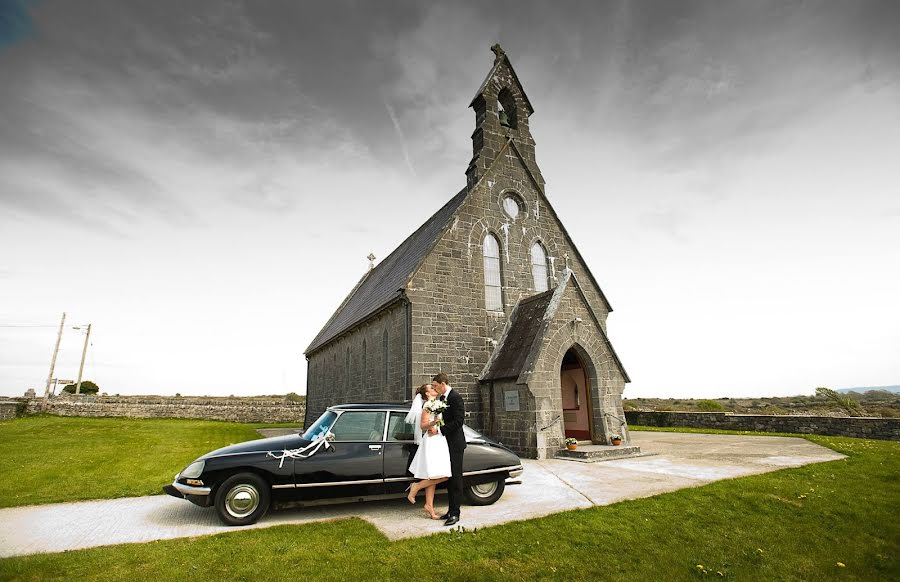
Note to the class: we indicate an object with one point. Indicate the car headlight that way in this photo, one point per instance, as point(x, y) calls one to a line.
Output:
point(193, 470)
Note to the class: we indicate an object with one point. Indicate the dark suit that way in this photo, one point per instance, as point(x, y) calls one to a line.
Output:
point(454, 417)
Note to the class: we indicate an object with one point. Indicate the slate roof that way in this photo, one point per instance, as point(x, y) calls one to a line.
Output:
point(385, 283)
point(524, 328)
point(527, 323)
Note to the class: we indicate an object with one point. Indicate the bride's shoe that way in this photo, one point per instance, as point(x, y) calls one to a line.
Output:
point(412, 493)
point(429, 511)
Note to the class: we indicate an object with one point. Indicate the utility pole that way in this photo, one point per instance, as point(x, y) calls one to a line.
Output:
point(87, 338)
point(53, 361)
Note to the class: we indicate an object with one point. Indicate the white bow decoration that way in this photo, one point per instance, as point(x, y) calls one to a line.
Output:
point(312, 447)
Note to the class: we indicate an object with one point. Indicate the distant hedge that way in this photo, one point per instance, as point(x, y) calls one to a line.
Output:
point(87, 387)
point(709, 406)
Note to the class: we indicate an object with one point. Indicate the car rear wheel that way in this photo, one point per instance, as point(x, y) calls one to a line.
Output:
point(485, 493)
point(242, 499)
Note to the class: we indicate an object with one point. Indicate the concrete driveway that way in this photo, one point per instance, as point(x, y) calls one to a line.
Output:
point(671, 461)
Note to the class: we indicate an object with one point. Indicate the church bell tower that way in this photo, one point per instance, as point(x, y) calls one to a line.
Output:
point(502, 110)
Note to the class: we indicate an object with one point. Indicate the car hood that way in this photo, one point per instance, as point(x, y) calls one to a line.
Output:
point(277, 443)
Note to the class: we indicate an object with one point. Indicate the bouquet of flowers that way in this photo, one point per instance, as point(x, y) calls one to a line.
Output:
point(436, 407)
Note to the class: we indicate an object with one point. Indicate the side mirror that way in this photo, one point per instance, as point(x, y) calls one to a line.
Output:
point(329, 436)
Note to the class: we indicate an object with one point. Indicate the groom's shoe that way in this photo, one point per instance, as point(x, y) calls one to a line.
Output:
point(446, 515)
point(452, 520)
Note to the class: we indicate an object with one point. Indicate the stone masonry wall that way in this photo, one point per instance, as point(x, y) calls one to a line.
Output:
point(8, 409)
point(514, 429)
point(205, 408)
point(357, 368)
point(514, 174)
point(603, 376)
point(858, 427)
point(451, 329)
point(489, 135)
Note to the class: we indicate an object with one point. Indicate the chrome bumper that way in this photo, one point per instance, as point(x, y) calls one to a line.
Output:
point(190, 489)
point(517, 472)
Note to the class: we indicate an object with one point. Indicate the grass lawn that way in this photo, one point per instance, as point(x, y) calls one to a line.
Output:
point(829, 521)
point(47, 459)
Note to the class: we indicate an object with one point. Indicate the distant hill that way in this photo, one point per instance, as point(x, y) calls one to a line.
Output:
point(862, 389)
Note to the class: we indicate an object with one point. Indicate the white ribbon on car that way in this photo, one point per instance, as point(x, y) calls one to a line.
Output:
point(312, 447)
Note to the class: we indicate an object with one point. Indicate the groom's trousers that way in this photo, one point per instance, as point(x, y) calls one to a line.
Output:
point(455, 483)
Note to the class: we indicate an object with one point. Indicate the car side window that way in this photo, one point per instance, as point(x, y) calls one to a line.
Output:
point(359, 425)
point(398, 428)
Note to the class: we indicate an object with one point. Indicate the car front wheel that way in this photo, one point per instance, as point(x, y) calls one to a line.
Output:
point(242, 499)
point(485, 493)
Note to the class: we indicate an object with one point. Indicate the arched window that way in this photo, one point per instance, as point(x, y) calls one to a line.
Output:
point(365, 372)
point(539, 267)
point(347, 369)
point(384, 357)
point(493, 297)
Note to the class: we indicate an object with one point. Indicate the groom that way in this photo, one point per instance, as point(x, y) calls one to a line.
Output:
point(454, 417)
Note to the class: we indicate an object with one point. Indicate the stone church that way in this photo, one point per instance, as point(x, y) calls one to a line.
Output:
point(491, 290)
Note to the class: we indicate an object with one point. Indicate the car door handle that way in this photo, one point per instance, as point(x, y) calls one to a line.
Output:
point(374, 447)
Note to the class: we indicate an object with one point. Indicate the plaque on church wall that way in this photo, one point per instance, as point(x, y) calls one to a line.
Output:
point(511, 401)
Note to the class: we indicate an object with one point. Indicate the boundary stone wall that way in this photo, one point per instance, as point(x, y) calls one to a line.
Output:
point(204, 408)
point(858, 427)
point(8, 409)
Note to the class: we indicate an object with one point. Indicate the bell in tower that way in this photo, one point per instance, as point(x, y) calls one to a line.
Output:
point(501, 116)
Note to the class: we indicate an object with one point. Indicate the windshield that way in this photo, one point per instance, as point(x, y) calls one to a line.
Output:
point(320, 426)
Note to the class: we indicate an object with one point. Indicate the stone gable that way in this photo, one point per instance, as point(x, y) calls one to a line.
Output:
point(447, 292)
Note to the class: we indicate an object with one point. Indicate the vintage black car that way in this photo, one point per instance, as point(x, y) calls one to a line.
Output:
point(352, 452)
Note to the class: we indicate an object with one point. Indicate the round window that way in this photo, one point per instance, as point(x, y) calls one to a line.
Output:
point(512, 206)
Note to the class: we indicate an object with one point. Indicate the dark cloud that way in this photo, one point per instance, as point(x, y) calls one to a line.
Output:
point(97, 96)
point(712, 79)
point(264, 193)
point(247, 86)
point(15, 22)
point(52, 163)
point(20, 200)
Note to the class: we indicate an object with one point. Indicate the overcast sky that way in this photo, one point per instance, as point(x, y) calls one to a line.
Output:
point(202, 181)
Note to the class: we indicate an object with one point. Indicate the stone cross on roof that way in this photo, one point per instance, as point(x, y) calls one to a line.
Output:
point(497, 51)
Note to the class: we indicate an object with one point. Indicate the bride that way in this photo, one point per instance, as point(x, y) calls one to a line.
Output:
point(431, 463)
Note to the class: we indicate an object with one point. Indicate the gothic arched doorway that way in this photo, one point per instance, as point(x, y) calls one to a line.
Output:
point(576, 397)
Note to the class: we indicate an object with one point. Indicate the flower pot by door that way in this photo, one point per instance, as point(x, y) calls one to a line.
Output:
point(616, 442)
point(571, 447)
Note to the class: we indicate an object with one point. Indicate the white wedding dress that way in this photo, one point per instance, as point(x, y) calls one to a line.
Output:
point(432, 460)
